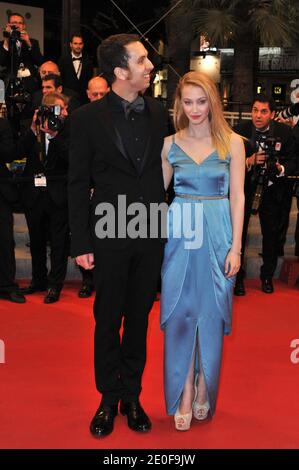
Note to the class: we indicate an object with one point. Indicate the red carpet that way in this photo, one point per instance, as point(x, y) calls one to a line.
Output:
point(47, 387)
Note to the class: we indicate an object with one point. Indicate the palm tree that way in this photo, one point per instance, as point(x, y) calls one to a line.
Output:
point(179, 32)
point(244, 24)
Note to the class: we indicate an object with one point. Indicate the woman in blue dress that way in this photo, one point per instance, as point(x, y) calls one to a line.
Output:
point(202, 254)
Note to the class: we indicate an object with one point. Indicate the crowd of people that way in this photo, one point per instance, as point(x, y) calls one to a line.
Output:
point(88, 139)
point(67, 85)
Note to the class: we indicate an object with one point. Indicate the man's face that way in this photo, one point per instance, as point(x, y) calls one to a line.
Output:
point(17, 21)
point(76, 45)
point(97, 89)
point(261, 115)
point(139, 67)
point(48, 86)
point(48, 67)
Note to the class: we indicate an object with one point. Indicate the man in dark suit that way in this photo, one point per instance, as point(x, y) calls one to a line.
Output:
point(8, 196)
point(116, 145)
point(21, 50)
point(275, 190)
point(76, 68)
point(45, 199)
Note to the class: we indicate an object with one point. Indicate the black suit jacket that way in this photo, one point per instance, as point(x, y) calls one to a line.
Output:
point(7, 154)
point(69, 77)
point(31, 58)
point(98, 160)
point(54, 166)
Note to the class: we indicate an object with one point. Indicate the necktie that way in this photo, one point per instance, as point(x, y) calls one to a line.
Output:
point(136, 105)
point(77, 58)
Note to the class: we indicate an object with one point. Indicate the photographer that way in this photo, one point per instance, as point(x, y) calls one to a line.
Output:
point(45, 197)
point(21, 56)
point(21, 51)
point(52, 83)
point(274, 160)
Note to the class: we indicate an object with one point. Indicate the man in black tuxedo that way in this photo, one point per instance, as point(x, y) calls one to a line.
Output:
point(24, 51)
point(276, 189)
point(116, 145)
point(8, 196)
point(76, 68)
point(44, 198)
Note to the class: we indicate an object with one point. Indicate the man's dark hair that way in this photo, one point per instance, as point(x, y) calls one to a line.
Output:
point(112, 53)
point(76, 35)
point(55, 78)
point(15, 14)
point(262, 98)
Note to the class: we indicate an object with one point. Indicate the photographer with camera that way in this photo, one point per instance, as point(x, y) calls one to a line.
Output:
point(21, 56)
point(19, 53)
point(44, 198)
point(270, 155)
point(52, 83)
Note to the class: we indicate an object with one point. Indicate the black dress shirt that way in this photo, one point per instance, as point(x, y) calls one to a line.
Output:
point(133, 131)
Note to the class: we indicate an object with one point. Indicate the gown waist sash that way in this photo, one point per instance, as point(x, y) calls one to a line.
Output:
point(197, 197)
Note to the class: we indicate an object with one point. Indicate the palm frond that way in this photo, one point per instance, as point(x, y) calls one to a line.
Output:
point(272, 28)
point(218, 25)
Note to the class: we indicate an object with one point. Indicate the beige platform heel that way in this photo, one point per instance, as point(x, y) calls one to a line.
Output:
point(182, 422)
point(201, 412)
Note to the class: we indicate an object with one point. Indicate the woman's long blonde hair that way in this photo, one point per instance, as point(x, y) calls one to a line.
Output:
point(220, 129)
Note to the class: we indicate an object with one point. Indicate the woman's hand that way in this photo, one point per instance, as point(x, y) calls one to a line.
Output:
point(232, 263)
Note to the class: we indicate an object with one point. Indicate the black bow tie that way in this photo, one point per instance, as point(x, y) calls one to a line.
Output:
point(136, 105)
point(77, 58)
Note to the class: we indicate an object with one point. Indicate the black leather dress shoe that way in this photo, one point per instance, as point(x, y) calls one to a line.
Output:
point(32, 288)
point(267, 285)
point(137, 418)
point(52, 296)
point(102, 423)
point(13, 296)
point(239, 288)
point(85, 291)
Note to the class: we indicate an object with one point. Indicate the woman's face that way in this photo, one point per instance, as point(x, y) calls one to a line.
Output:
point(195, 104)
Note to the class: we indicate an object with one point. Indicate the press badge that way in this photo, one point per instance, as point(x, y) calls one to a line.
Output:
point(40, 181)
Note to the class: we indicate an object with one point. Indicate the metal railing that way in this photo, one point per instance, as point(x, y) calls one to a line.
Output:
point(234, 117)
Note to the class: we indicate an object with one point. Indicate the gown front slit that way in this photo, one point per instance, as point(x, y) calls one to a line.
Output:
point(196, 297)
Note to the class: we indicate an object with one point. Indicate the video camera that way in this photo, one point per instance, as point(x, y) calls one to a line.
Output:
point(16, 93)
point(268, 171)
point(13, 35)
point(17, 98)
point(51, 114)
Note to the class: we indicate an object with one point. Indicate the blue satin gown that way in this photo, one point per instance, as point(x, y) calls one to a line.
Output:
point(196, 297)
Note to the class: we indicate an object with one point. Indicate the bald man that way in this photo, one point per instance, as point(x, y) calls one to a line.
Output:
point(48, 67)
point(97, 88)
